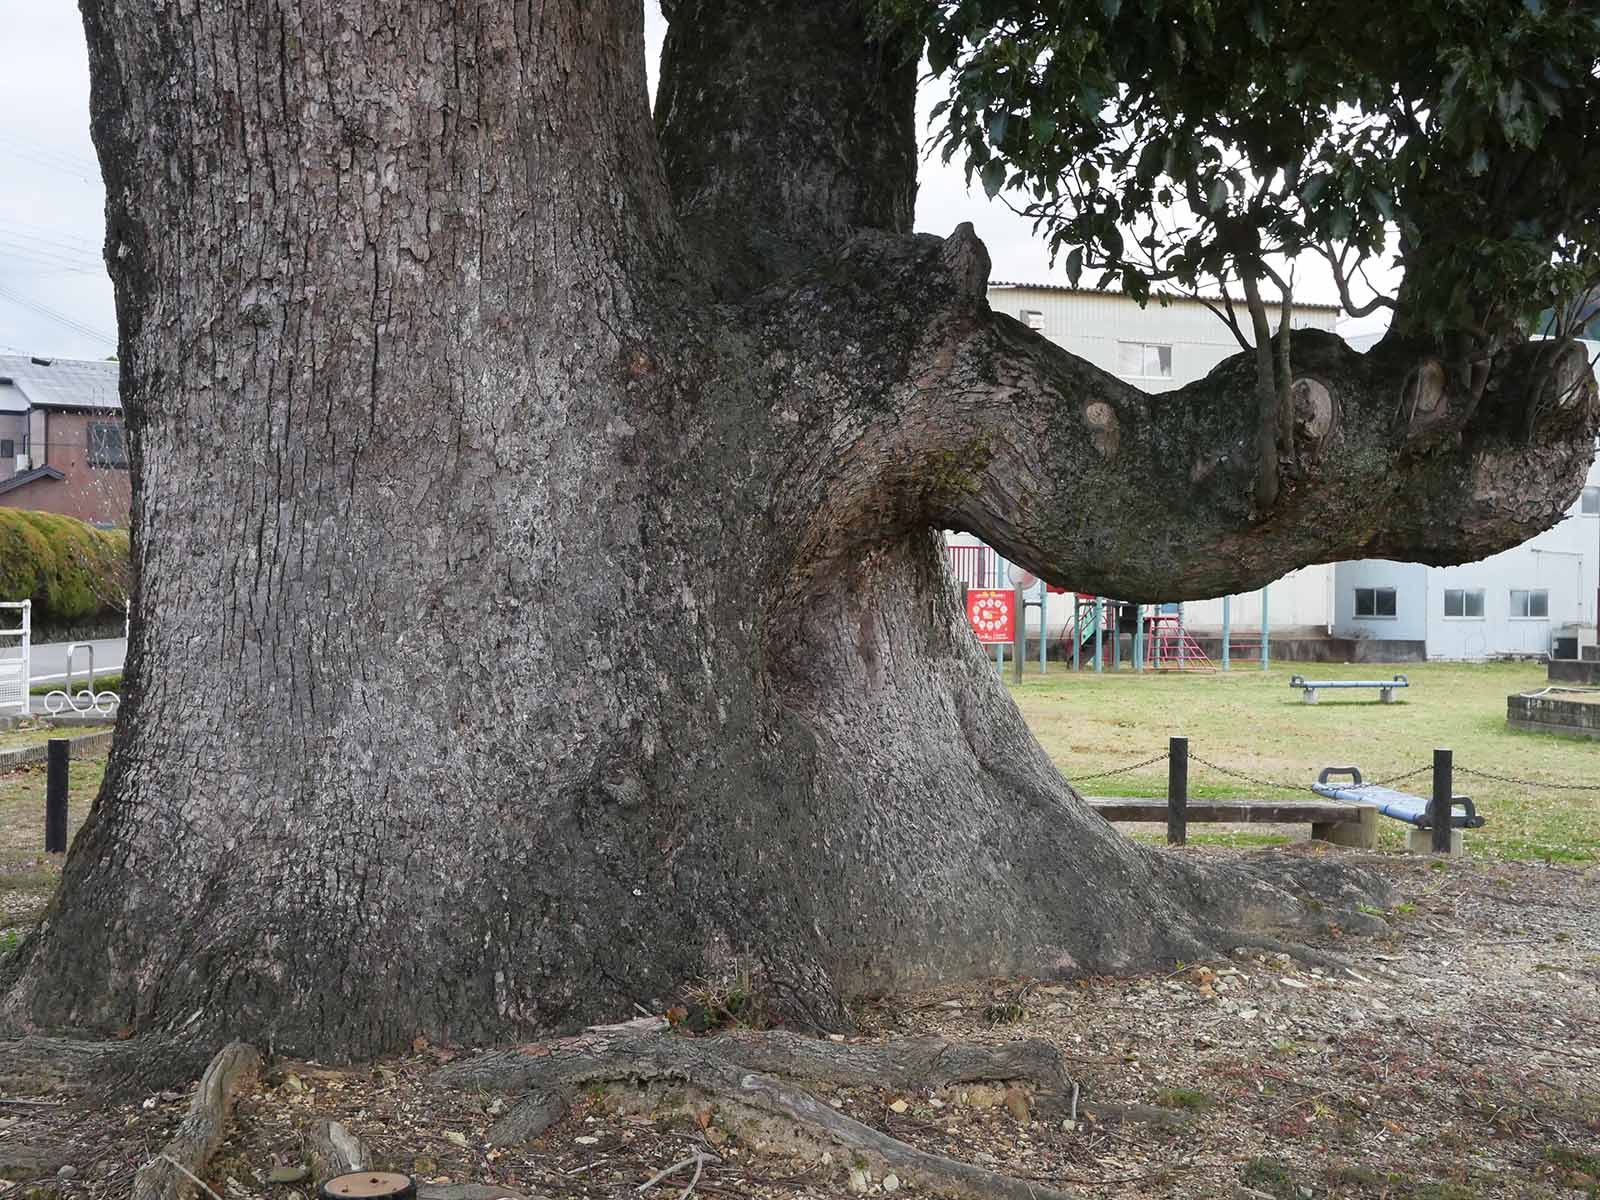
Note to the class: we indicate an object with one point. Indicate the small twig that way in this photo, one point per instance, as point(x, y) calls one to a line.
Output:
point(699, 1165)
point(698, 1159)
point(1073, 1115)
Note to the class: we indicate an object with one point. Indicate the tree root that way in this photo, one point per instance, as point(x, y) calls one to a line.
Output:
point(334, 1150)
point(47, 1065)
point(172, 1174)
point(743, 1070)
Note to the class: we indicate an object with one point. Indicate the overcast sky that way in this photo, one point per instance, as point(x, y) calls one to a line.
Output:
point(54, 294)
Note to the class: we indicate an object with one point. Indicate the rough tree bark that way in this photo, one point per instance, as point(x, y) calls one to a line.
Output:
point(537, 602)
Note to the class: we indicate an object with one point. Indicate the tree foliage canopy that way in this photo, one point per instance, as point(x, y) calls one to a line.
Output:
point(1190, 140)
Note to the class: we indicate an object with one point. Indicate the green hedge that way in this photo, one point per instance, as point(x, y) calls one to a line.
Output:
point(68, 569)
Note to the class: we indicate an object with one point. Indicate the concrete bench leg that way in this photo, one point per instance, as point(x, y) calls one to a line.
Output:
point(1420, 841)
point(1386, 695)
point(1361, 832)
point(1308, 695)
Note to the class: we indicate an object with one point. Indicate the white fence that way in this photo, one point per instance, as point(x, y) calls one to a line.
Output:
point(16, 632)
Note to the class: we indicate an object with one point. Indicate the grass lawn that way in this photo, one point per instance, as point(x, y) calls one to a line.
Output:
point(1252, 721)
point(28, 876)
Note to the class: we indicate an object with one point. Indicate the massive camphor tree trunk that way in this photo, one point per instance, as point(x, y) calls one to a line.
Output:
point(538, 597)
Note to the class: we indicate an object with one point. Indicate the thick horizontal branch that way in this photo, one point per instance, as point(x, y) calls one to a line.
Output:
point(1099, 486)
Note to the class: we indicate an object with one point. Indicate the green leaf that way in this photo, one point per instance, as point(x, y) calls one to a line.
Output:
point(997, 128)
point(1218, 199)
point(1075, 266)
point(1111, 8)
point(1043, 126)
point(994, 177)
point(942, 49)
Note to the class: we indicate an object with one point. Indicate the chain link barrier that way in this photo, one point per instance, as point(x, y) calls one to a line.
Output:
point(1388, 781)
point(1532, 783)
point(1121, 770)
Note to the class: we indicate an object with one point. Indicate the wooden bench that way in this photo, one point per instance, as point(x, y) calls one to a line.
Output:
point(1342, 823)
point(1310, 687)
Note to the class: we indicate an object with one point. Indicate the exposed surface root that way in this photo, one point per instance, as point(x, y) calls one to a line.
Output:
point(172, 1174)
point(35, 1065)
point(334, 1150)
point(743, 1070)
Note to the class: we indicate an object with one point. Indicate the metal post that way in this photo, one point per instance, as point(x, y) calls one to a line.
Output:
point(1116, 634)
point(1138, 637)
point(1227, 628)
point(1099, 627)
point(1444, 791)
point(1019, 631)
point(1177, 791)
point(1077, 630)
point(1266, 631)
point(1044, 623)
point(55, 795)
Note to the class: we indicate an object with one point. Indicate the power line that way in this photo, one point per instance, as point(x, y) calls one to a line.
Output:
point(58, 317)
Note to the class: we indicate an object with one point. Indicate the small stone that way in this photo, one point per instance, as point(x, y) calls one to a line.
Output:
point(292, 1173)
point(898, 1106)
point(984, 1157)
point(1295, 983)
point(68, 1171)
point(891, 1183)
point(496, 1107)
point(1248, 1014)
point(292, 1084)
point(456, 1138)
point(859, 1182)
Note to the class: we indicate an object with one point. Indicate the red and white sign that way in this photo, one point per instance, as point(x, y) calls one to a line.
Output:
point(992, 614)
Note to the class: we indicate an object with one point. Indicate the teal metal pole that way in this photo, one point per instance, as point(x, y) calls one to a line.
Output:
point(1099, 626)
point(1044, 623)
point(1077, 630)
point(1138, 637)
point(1116, 636)
point(1266, 631)
point(1227, 628)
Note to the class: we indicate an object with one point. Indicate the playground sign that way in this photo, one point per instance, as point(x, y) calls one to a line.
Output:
point(992, 614)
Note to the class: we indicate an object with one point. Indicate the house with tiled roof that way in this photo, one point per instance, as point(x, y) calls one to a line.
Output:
point(62, 447)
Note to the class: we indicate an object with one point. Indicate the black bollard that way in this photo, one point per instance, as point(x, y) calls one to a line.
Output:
point(1444, 793)
point(55, 796)
point(1177, 791)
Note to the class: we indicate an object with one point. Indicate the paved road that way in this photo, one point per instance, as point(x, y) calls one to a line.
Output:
point(50, 659)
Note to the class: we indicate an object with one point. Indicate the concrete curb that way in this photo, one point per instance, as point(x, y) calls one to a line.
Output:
point(83, 745)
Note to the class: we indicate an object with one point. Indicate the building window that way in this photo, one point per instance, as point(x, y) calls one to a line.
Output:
point(1033, 318)
point(1589, 506)
point(8, 448)
point(1463, 602)
point(1375, 602)
point(107, 447)
point(1533, 605)
point(1144, 360)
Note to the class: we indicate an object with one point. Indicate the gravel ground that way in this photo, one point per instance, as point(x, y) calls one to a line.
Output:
point(1457, 1056)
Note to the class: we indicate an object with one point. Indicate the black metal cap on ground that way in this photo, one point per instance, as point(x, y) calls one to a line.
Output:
point(370, 1185)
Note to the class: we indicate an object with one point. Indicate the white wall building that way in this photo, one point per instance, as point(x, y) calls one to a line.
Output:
point(1159, 347)
point(1519, 602)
